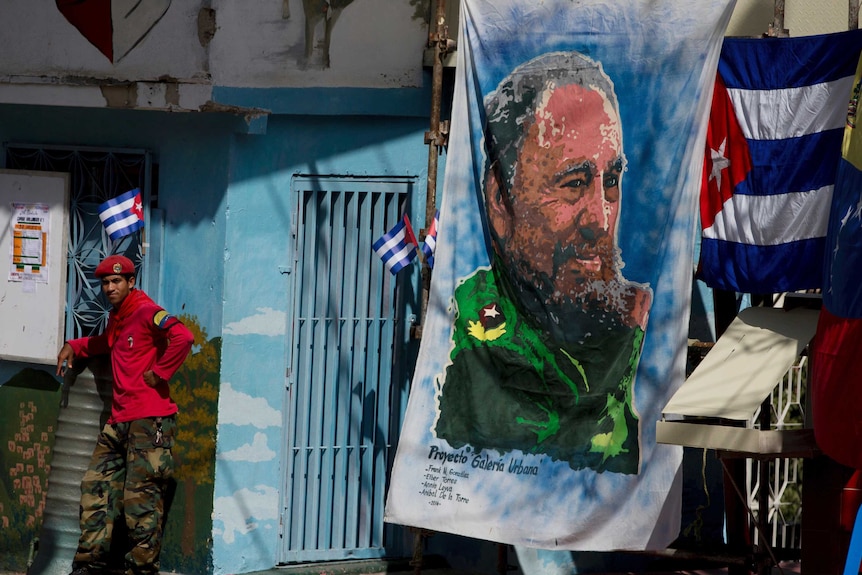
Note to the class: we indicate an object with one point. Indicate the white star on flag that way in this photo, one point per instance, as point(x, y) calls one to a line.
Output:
point(122, 215)
point(719, 163)
point(397, 247)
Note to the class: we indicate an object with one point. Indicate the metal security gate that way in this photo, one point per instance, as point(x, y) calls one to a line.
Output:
point(346, 388)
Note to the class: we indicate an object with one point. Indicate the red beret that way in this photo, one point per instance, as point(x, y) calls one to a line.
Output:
point(115, 265)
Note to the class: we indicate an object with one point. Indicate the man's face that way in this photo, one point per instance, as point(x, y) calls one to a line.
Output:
point(116, 288)
point(565, 198)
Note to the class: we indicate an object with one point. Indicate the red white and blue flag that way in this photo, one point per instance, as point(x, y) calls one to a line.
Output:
point(397, 247)
point(430, 243)
point(122, 215)
point(772, 151)
point(836, 361)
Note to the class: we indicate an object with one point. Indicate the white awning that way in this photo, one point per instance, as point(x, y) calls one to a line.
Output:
point(745, 364)
point(733, 380)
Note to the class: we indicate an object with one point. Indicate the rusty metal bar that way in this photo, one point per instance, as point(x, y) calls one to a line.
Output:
point(436, 138)
point(763, 527)
point(777, 29)
point(853, 15)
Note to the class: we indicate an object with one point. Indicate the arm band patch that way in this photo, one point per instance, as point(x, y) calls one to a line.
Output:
point(164, 320)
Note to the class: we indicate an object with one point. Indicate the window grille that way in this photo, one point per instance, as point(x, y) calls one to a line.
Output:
point(96, 175)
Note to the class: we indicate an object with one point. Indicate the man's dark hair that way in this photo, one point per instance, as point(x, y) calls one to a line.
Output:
point(511, 108)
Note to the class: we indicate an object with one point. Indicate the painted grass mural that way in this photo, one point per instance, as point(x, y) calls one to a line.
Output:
point(29, 404)
point(187, 546)
point(29, 409)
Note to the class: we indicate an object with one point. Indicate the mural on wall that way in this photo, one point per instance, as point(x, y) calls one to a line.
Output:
point(249, 426)
point(29, 406)
point(319, 17)
point(29, 411)
point(221, 43)
point(361, 43)
point(187, 547)
point(115, 27)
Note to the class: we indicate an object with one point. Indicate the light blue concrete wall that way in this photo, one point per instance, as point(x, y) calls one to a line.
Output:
point(226, 198)
point(260, 209)
point(192, 152)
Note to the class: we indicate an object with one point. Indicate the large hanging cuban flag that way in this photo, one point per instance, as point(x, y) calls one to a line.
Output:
point(836, 361)
point(772, 152)
point(559, 302)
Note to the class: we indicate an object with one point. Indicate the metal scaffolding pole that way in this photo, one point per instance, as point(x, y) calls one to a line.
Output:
point(777, 29)
point(436, 138)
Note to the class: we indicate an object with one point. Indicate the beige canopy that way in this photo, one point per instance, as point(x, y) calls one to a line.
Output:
point(733, 380)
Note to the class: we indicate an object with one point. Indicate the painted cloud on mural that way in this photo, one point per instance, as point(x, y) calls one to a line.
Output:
point(258, 450)
point(266, 321)
point(244, 511)
point(236, 408)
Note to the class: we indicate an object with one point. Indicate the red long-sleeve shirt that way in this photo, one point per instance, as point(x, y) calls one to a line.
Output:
point(140, 336)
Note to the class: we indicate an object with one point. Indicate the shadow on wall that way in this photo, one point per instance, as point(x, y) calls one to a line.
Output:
point(315, 12)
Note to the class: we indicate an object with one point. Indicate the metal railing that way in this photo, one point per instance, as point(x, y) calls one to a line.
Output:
point(784, 511)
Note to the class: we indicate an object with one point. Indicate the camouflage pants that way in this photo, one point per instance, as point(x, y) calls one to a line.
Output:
point(127, 476)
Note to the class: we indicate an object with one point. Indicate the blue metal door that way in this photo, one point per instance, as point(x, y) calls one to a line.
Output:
point(346, 389)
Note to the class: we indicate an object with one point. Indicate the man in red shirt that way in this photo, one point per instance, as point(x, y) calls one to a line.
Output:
point(132, 461)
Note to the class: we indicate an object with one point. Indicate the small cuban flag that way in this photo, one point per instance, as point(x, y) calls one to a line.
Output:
point(397, 247)
point(430, 243)
point(123, 215)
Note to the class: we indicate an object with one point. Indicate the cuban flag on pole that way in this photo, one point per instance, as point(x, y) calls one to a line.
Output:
point(122, 215)
point(397, 247)
point(772, 150)
point(430, 243)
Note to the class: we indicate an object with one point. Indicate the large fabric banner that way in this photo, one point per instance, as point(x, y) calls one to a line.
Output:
point(772, 151)
point(836, 361)
point(559, 302)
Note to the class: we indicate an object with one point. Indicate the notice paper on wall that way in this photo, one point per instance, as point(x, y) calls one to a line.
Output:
point(30, 263)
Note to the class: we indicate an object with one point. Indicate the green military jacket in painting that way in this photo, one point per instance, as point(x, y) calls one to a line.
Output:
point(510, 386)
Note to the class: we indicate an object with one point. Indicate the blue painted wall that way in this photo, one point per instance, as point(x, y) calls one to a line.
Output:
point(226, 197)
point(192, 152)
point(260, 209)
